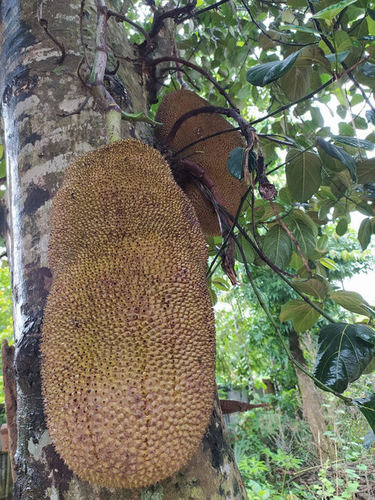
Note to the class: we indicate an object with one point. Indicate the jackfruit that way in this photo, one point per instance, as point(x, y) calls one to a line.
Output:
point(211, 154)
point(128, 345)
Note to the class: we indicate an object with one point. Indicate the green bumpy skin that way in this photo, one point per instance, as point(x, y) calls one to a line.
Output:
point(128, 347)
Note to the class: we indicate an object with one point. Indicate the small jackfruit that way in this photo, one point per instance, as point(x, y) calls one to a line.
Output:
point(211, 154)
point(128, 346)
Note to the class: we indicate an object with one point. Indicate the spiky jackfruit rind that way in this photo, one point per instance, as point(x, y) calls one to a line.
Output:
point(210, 154)
point(128, 348)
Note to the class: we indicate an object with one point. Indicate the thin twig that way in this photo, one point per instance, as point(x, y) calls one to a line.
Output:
point(120, 17)
point(44, 24)
point(202, 11)
point(179, 69)
point(182, 70)
point(259, 26)
point(247, 131)
point(154, 62)
point(226, 131)
point(78, 110)
point(83, 43)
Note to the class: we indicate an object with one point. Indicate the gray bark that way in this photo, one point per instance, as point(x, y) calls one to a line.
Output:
point(39, 145)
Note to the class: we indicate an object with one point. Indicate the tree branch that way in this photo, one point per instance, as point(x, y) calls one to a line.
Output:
point(175, 14)
point(154, 62)
point(120, 17)
point(44, 24)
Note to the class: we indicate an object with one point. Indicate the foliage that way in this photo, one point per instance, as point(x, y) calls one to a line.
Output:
point(6, 322)
point(284, 66)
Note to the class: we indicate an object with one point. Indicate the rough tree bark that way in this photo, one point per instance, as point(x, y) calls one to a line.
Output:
point(311, 403)
point(39, 144)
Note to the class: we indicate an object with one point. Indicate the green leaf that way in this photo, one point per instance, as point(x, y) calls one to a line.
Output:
point(342, 226)
point(301, 314)
point(3, 170)
point(277, 246)
point(330, 12)
point(367, 407)
point(368, 69)
point(296, 82)
point(370, 116)
point(322, 242)
point(338, 56)
point(213, 296)
point(236, 161)
point(330, 163)
point(351, 301)
point(339, 154)
point(366, 171)
point(344, 351)
point(262, 74)
point(295, 27)
point(354, 142)
point(316, 286)
point(247, 250)
point(303, 229)
point(329, 263)
point(303, 175)
point(221, 284)
point(364, 233)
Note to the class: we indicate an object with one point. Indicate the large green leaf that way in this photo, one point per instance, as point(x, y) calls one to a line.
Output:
point(303, 175)
point(344, 351)
point(278, 246)
point(354, 142)
point(366, 171)
point(262, 74)
point(342, 226)
point(367, 408)
point(364, 233)
point(330, 163)
point(339, 154)
point(296, 82)
point(352, 301)
point(330, 12)
point(300, 313)
point(303, 229)
point(316, 286)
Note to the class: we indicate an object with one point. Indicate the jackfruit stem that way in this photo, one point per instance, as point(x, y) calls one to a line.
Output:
point(113, 125)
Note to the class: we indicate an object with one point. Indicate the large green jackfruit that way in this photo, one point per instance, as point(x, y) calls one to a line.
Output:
point(128, 348)
point(210, 154)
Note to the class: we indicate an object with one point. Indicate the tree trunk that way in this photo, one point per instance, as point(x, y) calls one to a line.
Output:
point(311, 404)
point(40, 143)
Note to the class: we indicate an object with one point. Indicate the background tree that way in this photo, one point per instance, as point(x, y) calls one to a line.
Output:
point(282, 61)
